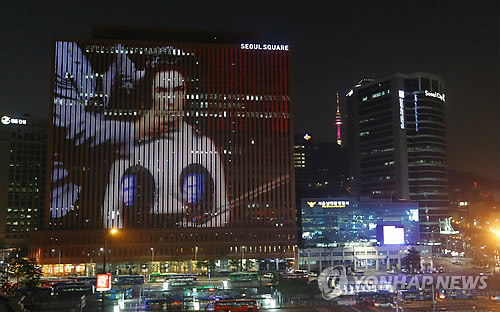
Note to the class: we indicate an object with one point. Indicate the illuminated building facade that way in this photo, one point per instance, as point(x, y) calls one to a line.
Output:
point(364, 258)
point(332, 222)
point(185, 148)
point(397, 132)
point(23, 159)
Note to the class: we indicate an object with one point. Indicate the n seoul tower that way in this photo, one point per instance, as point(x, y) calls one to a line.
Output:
point(338, 121)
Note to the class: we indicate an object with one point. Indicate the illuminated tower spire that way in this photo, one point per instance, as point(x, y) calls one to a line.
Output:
point(338, 121)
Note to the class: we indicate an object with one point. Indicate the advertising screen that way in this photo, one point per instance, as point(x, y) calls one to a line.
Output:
point(393, 235)
point(157, 135)
point(103, 282)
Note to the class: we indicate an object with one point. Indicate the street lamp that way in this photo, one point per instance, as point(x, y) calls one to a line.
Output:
point(58, 256)
point(152, 258)
point(105, 250)
point(242, 256)
point(195, 257)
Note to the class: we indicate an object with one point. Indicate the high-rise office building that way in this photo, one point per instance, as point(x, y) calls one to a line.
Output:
point(319, 168)
point(23, 159)
point(398, 145)
point(185, 148)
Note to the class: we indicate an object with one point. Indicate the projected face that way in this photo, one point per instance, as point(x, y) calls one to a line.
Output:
point(168, 91)
point(127, 189)
point(193, 188)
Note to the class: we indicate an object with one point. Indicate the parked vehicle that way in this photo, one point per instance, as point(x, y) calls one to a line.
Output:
point(382, 304)
point(236, 305)
point(458, 293)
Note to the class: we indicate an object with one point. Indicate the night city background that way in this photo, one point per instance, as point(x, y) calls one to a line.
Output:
point(236, 156)
point(334, 46)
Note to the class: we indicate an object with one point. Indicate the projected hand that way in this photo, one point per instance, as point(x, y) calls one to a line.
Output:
point(84, 127)
point(154, 124)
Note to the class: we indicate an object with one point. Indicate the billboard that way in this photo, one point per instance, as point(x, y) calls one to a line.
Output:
point(393, 235)
point(157, 135)
point(103, 282)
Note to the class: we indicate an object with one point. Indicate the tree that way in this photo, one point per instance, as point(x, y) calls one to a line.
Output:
point(291, 288)
point(412, 259)
point(250, 265)
point(200, 264)
point(28, 273)
point(211, 265)
point(235, 264)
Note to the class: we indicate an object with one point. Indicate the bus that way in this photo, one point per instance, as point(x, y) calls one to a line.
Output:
point(200, 291)
point(41, 291)
point(116, 294)
point(179, 283)
point(236, 305)
point(164, 304)
point(54, 282)
point(301, 275)
point(86, 279)
point(370, 297)
point(406, 295)
point(459, 293)
point(128, 279)
point(244, 276)
point(163, 277)
point(74, 289)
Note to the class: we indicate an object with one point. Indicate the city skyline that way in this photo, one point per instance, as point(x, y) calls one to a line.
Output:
point(332, 49)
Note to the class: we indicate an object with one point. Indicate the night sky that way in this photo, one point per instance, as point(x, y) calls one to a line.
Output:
point(333, 47)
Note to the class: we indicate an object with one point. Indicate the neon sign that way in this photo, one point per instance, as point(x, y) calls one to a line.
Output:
point(258, 46)
point(330, 203)
point(435, 95)
point(8, 120)
point(401, 109)
point(415, 99)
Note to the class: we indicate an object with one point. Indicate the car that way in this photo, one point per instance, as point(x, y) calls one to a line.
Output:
point(483, 267)
point(358, 273)
point(487, 273)
point(313, 274)
point(267, 275)
point(495, 298)
point(382, 304)
point(391, 272)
